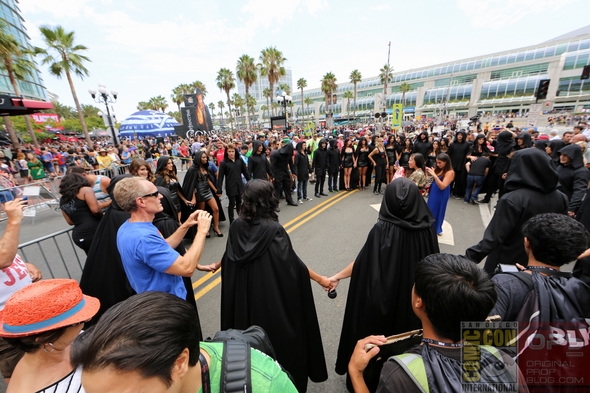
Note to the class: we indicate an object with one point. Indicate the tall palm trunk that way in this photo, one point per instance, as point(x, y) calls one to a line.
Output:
point(8, 67)
point(268, 107)
point(354, 109)
point(272, 92)
point(221, 114)
point(247, 110)
point(80, 114)
point(11, 132)
point(302, 110)
point(231, 122)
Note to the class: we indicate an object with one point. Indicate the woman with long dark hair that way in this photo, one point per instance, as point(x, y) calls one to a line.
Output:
point(348, 161)
point(141, 168)
point(380, 163)
point(417, 171)
point(444, 145)
point(166, 177)
point(265, 283)
point(404, 156)
point(440, 191)
point(391, 157)
point(362, 156)
point(198, 190)
point(434, 151)
point(80, 208)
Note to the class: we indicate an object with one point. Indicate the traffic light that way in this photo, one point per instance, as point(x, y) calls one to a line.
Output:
point(323, 124)
point(543, 88)
point(586, 72)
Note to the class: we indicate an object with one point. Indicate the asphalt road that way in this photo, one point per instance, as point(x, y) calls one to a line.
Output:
point(326, 233)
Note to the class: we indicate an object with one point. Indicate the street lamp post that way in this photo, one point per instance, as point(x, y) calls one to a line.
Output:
point(104, 98)
point(283, 101)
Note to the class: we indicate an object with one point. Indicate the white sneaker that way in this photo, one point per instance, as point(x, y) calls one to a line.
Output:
point(300, 201)
point(308, 199)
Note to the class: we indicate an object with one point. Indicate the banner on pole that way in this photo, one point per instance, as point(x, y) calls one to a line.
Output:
point(397, 116)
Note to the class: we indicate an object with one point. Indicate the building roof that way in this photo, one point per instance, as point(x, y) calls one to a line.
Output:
point(572, 34)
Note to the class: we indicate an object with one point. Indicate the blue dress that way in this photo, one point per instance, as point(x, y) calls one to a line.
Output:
point(437, 202)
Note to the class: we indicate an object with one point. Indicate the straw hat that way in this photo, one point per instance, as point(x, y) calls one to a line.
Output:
point(44, 306)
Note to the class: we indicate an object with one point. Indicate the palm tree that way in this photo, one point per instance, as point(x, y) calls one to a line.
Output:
point(239, 103)
point(247, 72)
point(267, 93)
point(161, 103)
point(143, 106)
point(348, 94)
point(177, 96)
point(14, 60)
point(301, 84)
point(404, 88)
point(212, 109)
point(263, 108)
point(271, 65)
point(328, 86)
point(385, 75)
point(67, 58)
point(355, 77)
point(284, 87)
point(308, 101)
point(64, 111)
point(251, 102)
point(220, 105)
point(226, 81)
point(198, 85)
point(89, 110)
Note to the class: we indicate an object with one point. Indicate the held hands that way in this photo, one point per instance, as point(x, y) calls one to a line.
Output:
point(325, 283)
point(359, 359)
point(333, 282)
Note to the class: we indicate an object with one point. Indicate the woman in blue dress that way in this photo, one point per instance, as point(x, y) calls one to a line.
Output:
point(440, 190)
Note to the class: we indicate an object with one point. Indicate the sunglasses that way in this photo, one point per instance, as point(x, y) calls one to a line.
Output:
point(153, 194)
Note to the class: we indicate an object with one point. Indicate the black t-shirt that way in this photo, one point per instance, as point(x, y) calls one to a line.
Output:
point(512, 293)
point(479, 166)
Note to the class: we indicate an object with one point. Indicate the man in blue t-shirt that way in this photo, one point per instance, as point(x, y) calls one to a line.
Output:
point(149, 260)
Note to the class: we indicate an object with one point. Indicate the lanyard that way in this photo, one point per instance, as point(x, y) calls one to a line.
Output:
point(442, 344)
point(206, 383)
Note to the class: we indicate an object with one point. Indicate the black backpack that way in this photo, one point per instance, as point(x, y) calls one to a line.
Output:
point(235, 369)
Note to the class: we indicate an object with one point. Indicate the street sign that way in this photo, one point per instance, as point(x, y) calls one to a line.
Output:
point(533, 116)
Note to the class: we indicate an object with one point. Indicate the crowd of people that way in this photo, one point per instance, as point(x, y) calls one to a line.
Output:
point(135, 294)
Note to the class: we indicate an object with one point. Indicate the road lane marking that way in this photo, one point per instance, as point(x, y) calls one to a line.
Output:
point(322, 207)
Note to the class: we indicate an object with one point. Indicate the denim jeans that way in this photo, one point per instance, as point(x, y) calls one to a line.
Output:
point(301, 189)
point(471, 181)
point(333, 181)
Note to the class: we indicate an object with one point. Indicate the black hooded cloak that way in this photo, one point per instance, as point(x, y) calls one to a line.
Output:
point(257, 163)
point(265, 283)
point(573, 178)
point(379, 297)
point(531, 189)
point(527, 141)
point(103, 276)
point(173, 186)
point(458, 153)
point(555, 146)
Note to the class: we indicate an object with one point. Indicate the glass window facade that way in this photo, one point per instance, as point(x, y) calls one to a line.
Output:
point(573, 86)
point(517, 87)
point(578, 59)
point(454, 93)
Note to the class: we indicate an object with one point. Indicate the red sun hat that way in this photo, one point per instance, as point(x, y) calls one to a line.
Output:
point(44, 306)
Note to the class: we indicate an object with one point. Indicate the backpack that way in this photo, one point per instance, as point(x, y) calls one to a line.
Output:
point(553, 325)
point(235, 369)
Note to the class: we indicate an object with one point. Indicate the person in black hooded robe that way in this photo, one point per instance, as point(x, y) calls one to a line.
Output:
point(553, 148)
point(503, 148)
point(531, 189)
point(458, 151)
point(523, 141)
point(167, 223)
point(258, 163)
point(282, 167)
point(166, 177)
point(573, 177)
point(379, 296)
point(264, 283)
point(103, 275)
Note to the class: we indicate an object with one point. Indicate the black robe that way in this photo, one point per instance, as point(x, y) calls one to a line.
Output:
point(167, 223)
point(265, 283)
point(379, 297)
point(103, 276)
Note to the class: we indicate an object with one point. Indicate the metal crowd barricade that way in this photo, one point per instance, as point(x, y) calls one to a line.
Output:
point(119, 170)
point(55, 255)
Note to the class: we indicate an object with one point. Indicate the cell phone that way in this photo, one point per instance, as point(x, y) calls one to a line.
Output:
point(26, 199)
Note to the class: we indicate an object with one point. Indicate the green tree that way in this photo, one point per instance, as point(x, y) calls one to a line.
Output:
point(89, 110)
point(328, 85)
point(267, 93)
point(239, 103)
point(271, 66)
point(355, 77)
point(212, 109)
point(308, 101)
point(251, 101)
point(198, 85)
point(16, 62)
point(385, 76)
point(284, 87)
point(264, 108)
point(176, 116)
point(301, 84)
point(143, 106)
point(404, 88)
point(64, 57)
point(177, 96)
point(64, 111)
point(158, 103)
point(348, 94)
point(220, 105)
point(226, 81)
point(247, 72)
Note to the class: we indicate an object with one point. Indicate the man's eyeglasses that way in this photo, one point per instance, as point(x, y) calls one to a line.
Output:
point(153, 194)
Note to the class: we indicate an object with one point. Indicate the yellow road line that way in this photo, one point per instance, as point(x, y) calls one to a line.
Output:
point(204, 278)
point(207, 288)
point(316, 210)
point(319, 211)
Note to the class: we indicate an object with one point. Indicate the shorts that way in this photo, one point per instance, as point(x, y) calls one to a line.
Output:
point(9, 357)
point(6, 196)
point(24, 173)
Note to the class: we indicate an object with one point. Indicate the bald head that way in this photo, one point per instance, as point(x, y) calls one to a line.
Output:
point(579, 138)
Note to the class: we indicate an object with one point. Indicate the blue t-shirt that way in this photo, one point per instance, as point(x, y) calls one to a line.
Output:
point(146, 256)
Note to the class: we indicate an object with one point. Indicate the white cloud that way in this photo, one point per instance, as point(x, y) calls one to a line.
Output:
point(63, 8)
point(381, 7)
point(494, 14)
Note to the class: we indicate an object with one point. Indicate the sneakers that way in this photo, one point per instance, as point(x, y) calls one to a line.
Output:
point(300, 201)
point(308, 199)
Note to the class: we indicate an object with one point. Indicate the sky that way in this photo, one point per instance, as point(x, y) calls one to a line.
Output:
point(146, 48)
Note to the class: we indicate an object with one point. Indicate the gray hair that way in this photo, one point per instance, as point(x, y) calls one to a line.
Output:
point(127, 191)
